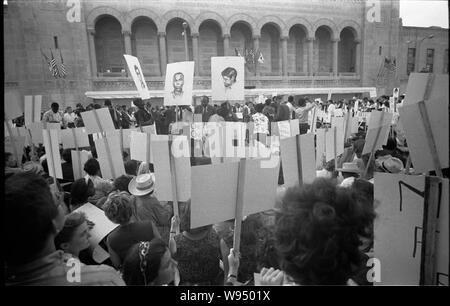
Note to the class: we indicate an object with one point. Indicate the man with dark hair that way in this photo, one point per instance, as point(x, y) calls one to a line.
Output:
point(205, 109)
point(115, 115)
point(178, 82)
point(54, 115)
point(35, 216)
point(283, 111)
point(143, 117)
point(229, 75)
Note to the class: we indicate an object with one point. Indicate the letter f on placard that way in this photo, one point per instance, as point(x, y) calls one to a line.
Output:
point(374, 11)
point(74, 13)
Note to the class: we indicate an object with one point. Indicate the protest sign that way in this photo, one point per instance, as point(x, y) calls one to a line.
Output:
point(110, 157)
point(50, 137)
point(32, 106)
point(227, 78)
point(74, 138)
point(79, 158)
point(179, 83)
point(98, 121)
point(400, 236)
point(13, 104)
point(425, 120)
point(138, 76)
point(297, 154)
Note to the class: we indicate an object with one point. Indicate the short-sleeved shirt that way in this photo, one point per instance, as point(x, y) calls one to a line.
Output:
point(125, 236)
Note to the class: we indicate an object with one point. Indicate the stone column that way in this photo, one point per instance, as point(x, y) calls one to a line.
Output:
point(127, 40)
point(92, 55)
point(256, 48)
point(195, 54)
point(310, 55)
point(335, 43)
point(357, 56)
point(284, 52)
point(162, 52)
point(226, 44)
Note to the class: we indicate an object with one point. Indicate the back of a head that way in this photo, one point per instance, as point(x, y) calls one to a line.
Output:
point(80, 191)
point(30, 210)
point(92, 167)
point(108, 103)
point(131, 167)
point(72, 222)
point(301, 102)
point(317, 233)
point(268, 102)
point(290, 99)
point(138, 102)
point(118, 207)
point(259, 107)
point(121, 183)
point(139, 270)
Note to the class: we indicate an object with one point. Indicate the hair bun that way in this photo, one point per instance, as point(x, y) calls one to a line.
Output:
point(323, 212)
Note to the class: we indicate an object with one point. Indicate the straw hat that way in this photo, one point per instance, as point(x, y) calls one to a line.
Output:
point(142, 184)
point(349, 167)
point(392, 165)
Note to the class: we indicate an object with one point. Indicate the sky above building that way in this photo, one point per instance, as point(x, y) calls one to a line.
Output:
point(424, 13)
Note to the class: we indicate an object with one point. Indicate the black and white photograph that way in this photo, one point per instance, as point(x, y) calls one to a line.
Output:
point(230, 151)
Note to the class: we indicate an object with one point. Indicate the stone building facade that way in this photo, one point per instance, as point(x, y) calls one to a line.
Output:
point(304, 43)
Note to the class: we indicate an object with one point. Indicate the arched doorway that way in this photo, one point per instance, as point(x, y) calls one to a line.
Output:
point(109, 46)
point(210, 44)
point(144, 45)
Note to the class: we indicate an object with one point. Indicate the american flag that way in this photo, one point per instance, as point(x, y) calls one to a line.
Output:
point(62, 67)
point(47, 60)
point(54, 66)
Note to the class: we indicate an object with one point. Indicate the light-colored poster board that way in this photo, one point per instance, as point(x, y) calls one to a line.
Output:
point(79, 158)
point(289, 158)
point(295, 127)
point(102, 225)
point(227, 78)
point(398, 228)
point(140, 147)
point(179, 83)
point(138, 76)
point(15, 144)
point(338, 112)
point(257, 199)
point(339, 123)
point(214, 200)
point(437, 110)
point(110, 157)
point(373, 93)
point(52, 152)
point(379, 124)
point(36, 129)
point(281, 129)
point(33, 105)
point(395, 93)
point(314, 115)
point(161, 162)
point(13, 104)
point(54, 126)
point(98, 121)
point(73, 138)
point(329, 145)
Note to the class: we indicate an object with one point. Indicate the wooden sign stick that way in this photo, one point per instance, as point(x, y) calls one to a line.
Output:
point(121, 141)
point(430, 138)
point(299, 160)
point(50, 159)
point(428, 257)
point(239, 206)
point(372, 151)
point(173, 178)
point(335, 147)
point(78, 151)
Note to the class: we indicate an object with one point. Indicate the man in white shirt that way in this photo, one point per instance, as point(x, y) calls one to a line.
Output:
point(53, 115)
point(69, 118)
point(331, 107)
point(289, 103)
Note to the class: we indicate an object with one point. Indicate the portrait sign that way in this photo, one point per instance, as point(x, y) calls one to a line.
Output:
point(179, 83)
point(227, 78)
point(138, 76)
